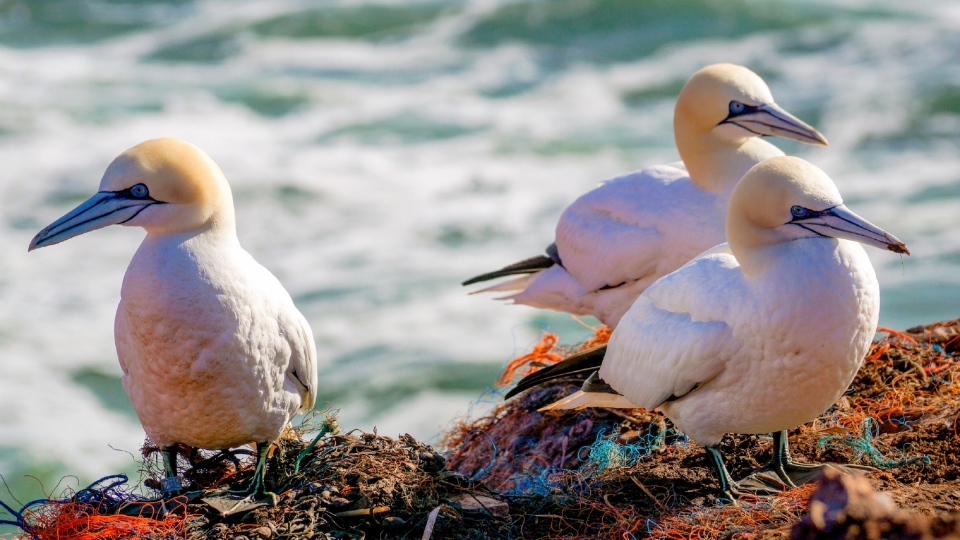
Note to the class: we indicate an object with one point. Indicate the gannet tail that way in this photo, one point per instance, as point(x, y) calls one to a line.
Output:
point(587, 361)
point(511, 285)
point(526, 266)
point(581, 400)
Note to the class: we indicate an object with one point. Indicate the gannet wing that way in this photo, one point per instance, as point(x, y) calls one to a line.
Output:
point(678, 335)
point(302, 368)
point(643, 224)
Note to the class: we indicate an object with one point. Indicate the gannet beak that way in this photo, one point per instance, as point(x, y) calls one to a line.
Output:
point(841, 222)
point(770, 119)
point(104, 208)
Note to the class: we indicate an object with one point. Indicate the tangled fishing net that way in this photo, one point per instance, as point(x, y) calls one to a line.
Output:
point(595, 473)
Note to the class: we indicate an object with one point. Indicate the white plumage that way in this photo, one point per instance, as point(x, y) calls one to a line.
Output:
point(770, 351)
point(759, 335)
point(213, 351)
point(617, 239)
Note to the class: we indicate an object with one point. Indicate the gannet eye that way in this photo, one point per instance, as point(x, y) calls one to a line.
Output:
point(736, 107)
point(799, 211)
point(139, 191)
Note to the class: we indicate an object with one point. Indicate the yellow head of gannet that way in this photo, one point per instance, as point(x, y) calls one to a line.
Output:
point(785, 199)
point(163, 185)
point(719, 116)
point(214, 353)
point(759, 336)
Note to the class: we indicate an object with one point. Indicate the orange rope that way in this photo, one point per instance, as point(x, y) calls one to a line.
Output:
point(77, 521)
point(897, 333)
point(540, 353)
point(878, 353)
point(600, 337)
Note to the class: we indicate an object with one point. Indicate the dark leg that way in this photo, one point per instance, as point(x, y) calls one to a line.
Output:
point(171, 485)
point(795, 474)
point(728, 487)
point(257, 487)
point(230, 502)
point(790, 472)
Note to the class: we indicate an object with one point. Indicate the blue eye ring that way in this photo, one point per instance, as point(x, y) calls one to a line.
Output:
point(736, 107)
point(799, 211)
point(139, 191)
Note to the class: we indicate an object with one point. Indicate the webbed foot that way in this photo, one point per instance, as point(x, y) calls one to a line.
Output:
point(793, 473)
point(750, 486)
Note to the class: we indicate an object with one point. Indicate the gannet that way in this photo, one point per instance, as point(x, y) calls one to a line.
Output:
point(759, 335)
point(213, 351)
point(616, 240)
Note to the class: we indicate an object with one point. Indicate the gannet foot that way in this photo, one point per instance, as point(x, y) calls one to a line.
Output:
point(732, 490)
point(760, 485)
point(230, 502)
point(793, 473)
point(257, 491)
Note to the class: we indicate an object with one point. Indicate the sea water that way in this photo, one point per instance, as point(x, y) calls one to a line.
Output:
point(380, 153)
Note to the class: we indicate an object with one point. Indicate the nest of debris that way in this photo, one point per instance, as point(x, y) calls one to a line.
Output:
point(595, 473)
point(348, 486)
point(599, 473)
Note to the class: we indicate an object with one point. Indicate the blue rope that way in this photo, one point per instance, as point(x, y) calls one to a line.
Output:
point(19, 515)
point(862, 446)
point(493, 459)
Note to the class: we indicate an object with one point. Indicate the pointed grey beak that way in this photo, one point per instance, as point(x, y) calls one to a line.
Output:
point(103, 209)
point(841, 222)
point(770, 119)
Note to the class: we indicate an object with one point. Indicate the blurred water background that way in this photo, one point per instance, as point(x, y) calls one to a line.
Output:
point(380, 153)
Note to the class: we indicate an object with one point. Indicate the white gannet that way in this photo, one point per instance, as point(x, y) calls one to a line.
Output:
point(759, 335)
point(213, 351)
point(616, 240)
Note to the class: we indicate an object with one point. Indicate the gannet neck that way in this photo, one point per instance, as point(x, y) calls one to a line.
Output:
point(715, 164)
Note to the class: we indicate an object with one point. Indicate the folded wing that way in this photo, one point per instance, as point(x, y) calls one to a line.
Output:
point(678, 335)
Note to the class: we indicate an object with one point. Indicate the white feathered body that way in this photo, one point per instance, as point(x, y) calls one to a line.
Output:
point(214, 353)
point(769, 351)
point(619, 238)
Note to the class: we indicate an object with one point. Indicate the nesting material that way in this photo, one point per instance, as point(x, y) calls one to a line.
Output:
point(618, 474)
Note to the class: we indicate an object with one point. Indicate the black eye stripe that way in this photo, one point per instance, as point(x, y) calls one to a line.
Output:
point(137, 192)
point(732, 113)
point(810, 214)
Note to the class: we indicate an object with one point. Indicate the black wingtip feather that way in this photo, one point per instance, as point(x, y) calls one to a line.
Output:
point(587, 361)
point(526, 266)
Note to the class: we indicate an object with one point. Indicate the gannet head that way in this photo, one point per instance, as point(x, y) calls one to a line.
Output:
point(163, 185)
point(733, 103)
point(786, 198)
